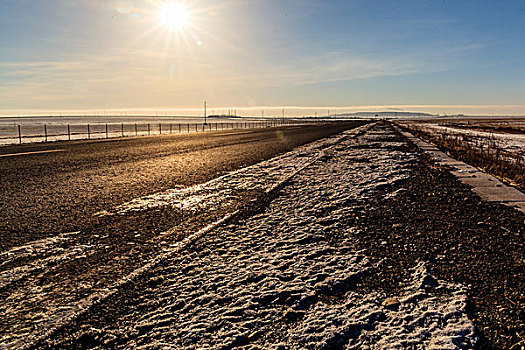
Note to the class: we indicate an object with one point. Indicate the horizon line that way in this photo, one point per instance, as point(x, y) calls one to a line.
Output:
point(293, 110)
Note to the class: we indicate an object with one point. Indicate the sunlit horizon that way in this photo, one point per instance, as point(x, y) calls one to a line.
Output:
point(276, 111)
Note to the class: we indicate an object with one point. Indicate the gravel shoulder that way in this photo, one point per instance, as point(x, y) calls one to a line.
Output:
point(433, 217)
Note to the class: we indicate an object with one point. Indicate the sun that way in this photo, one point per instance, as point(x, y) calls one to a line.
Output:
point(174, 15)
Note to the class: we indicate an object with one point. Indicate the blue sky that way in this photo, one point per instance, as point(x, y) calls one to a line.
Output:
point(441, 56)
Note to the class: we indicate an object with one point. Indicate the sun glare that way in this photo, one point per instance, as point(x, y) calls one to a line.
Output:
point(174, 15)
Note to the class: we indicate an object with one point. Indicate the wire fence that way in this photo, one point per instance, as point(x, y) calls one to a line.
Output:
point(19, 133)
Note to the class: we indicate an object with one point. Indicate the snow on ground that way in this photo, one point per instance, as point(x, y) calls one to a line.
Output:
point(276, 281)
point(416, 318)
point(514, 144)
point(41, 254)
point(262, 176)
point(32, 129)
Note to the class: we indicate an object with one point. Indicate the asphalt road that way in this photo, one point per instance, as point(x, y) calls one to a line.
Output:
point(56, 187)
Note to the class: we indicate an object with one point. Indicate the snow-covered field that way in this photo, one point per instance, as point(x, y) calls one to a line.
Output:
point(76, 128)
point(272, 280)
point(512, 146)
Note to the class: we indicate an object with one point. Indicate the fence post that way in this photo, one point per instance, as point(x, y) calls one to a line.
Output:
point(122, 129)
point(107, 133)
point(19, 134)
point(149, 129)
point(171, 128)
point(89, 133)
point(196, 126)
point(136, 130)
point(160, 128)
point(45, 133)
point(188, 127)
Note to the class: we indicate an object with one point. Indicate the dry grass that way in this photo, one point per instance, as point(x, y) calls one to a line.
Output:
point(484, 153)
point(496, 126)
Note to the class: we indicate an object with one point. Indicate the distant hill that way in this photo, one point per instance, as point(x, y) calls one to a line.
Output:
point(386, 114)
point(224, 116)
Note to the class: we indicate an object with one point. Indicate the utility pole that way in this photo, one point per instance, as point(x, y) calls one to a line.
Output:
point(205, 113)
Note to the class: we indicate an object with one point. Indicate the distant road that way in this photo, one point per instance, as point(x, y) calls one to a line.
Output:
point(50, 188)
